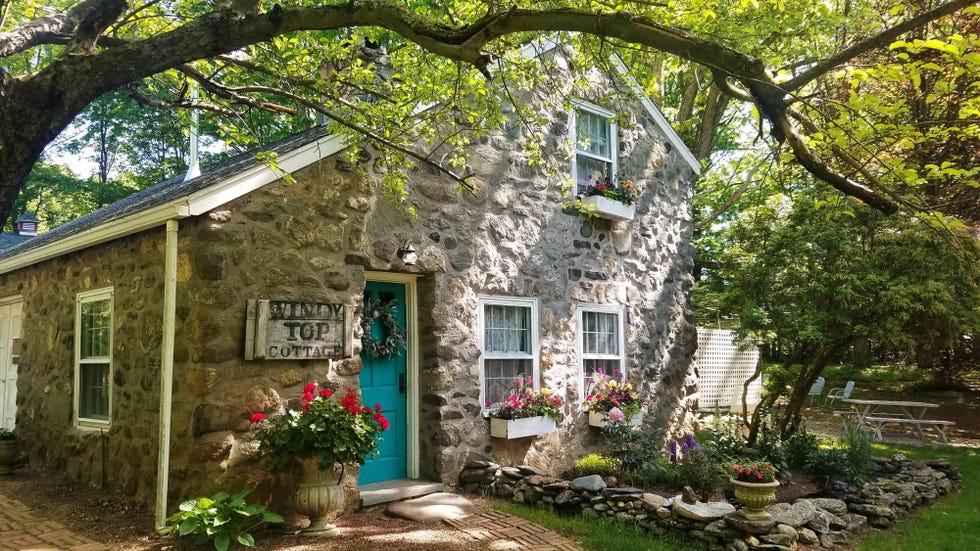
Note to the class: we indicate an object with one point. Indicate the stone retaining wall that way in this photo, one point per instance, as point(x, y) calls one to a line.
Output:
point(898, 486)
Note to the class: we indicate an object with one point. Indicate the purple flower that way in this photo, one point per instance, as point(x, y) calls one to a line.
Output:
point(690, 441)
point(673, 451)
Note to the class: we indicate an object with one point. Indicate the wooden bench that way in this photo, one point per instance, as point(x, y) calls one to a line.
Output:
point(877, 422)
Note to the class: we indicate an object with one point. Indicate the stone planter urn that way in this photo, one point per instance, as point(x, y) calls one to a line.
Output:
point(8, 453)
point(521, 428)
point(318, 496)
point(755, 497)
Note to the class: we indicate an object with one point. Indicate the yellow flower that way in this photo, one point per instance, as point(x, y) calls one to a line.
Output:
point(612, 383)
point(545, 391)
point(629, 386)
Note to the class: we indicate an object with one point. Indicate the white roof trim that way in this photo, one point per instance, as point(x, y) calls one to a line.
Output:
point(193, 204)
point(658, 117)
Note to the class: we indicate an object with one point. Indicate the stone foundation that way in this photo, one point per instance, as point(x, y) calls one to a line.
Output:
point(898, 487)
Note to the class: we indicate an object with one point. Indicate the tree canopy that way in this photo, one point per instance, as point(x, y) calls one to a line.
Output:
point(783, 57)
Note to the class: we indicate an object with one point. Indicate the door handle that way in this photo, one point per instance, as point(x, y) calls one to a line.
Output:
point(401, 383)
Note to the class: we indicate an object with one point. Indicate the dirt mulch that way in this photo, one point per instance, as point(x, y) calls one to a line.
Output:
point(122, 525)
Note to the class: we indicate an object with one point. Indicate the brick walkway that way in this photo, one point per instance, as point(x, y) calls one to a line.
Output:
point(503, 531)
point(21, 530)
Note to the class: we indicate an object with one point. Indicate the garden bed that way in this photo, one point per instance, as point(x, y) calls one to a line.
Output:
point(898, 487)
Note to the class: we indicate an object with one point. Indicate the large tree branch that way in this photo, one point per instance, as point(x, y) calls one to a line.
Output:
point(879, 40)
point(90, 17)
point(65, 86)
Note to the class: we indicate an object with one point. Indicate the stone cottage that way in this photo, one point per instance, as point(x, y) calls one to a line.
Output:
point(174, 314)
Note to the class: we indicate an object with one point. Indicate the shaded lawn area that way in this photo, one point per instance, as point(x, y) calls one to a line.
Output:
point(950, 525)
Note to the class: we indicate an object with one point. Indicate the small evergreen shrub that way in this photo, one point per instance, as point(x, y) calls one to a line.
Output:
point(222, 519)
point(859, 452)
point(595, 463)
point(697, 470)
point(799, 446)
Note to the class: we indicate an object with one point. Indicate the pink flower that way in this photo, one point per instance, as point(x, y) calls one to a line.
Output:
point(378, 408)
point(256, 417)
point(307, 396)
point(325, 392)
point(616, 415)
point(309, 388)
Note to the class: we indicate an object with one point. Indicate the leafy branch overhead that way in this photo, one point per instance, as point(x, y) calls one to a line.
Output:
point(457, 58)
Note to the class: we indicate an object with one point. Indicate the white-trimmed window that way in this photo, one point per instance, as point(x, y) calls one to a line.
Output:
point(594, 143)
point(601, 344)
point(509, 345)
point(93, 357)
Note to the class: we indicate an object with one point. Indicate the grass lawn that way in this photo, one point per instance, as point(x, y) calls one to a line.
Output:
point(951, 525)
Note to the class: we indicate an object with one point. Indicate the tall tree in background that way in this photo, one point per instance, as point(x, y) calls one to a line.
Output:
point(461, 55)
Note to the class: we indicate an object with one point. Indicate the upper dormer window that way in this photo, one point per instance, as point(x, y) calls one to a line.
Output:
point(595, 145)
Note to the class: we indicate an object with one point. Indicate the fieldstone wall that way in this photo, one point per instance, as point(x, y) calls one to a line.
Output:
point(314, 238)
point(898, 487)
point(122, 458)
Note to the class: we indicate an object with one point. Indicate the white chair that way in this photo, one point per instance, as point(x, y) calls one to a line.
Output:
point(816, 389)
point(839, 393)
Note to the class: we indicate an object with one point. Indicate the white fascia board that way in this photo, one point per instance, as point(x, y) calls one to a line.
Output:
point(99, 234)
point(194, 204)
point(658, 117)
point(252, 179)
point(540, 47)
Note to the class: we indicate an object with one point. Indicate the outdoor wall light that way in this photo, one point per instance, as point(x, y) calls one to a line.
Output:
point(407, 253)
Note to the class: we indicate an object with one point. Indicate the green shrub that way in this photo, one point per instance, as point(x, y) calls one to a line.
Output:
point(595, 463)
point(697, 470)
point(799, 446)
point(858, 449)
point(220, 518)
point(828, 465)
point(636, 449)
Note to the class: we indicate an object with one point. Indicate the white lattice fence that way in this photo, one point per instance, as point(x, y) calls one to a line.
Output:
point(724, 366)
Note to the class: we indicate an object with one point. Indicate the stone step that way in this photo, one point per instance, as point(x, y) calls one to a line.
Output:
point(396, 490)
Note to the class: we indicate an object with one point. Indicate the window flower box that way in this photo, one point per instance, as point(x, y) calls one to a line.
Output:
point(600, 418)
point(521, 428)
point(609, 209)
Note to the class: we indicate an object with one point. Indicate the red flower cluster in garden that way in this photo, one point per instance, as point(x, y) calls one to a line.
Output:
point(754, 472)
point(336, 428)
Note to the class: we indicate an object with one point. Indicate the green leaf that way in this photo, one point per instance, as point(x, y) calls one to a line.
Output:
point(188, 526)
point(269, 516)
point(246, 540)
point(221, 542)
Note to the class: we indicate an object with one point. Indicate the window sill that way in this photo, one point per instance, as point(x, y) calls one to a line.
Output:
point(607, 208)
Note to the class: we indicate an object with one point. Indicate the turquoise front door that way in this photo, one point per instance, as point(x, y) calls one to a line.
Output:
point(384, 381)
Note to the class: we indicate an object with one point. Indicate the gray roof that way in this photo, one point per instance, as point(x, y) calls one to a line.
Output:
point(160, 194)
point(9, 240)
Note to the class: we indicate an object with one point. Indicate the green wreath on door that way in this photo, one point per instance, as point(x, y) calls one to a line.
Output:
point(393, 340)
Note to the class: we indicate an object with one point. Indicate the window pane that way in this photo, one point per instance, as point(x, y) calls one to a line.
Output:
point(588, 169)
point(600, 333)
point(95, 329)
point(501, 374)
point(592, 133)
point(507, 328)
point(93, 391)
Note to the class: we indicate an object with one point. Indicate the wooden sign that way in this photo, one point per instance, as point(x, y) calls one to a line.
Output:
point(297, 330)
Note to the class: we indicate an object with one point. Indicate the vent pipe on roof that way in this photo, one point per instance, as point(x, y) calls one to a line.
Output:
point(193, 168)
point(26, 225)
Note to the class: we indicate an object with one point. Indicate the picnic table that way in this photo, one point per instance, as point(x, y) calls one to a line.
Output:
point(877, 413)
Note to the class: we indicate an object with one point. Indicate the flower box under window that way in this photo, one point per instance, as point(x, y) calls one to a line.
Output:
point(598, 419)
point(521, 428)
point(609, 208)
